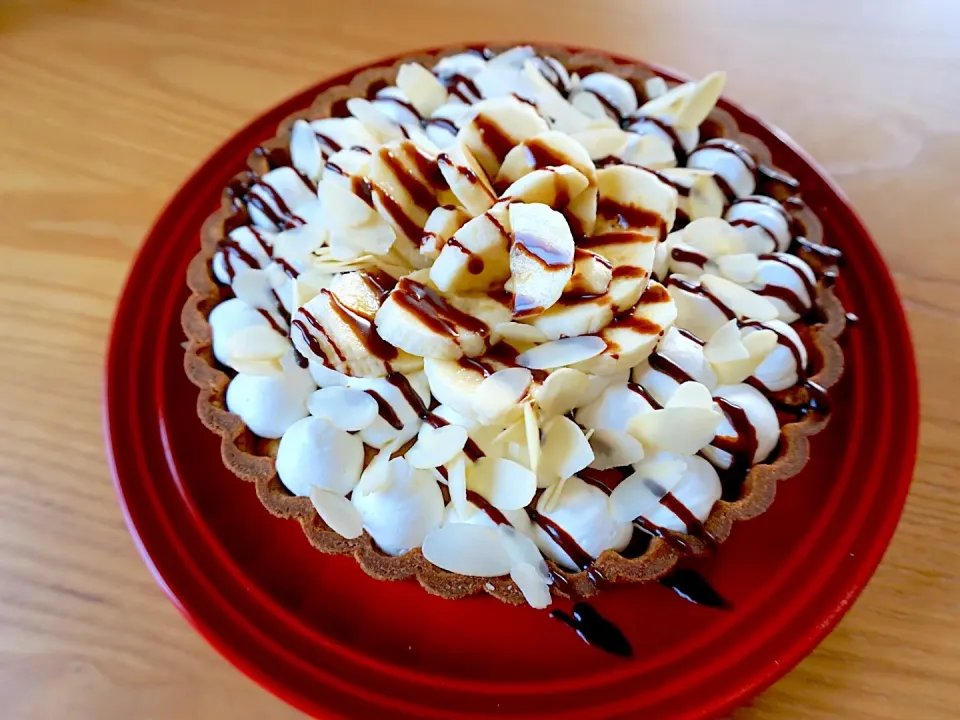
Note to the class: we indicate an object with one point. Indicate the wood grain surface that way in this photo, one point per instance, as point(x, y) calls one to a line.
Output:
point(106, 106)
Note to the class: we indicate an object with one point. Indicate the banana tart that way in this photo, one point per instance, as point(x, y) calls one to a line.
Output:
point(522, 322)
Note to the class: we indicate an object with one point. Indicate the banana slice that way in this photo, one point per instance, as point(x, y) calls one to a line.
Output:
point(466, 178)
point(418, 319)
point(631, 256)
point(426, 93)
point(553, 187)
point(700, 196)
point(631, 340)
point(336, 328)
point(592, 274)
point(579, 316)
point(499, 125)
point(443, 222)
point(636, 199)
point(541, 258)
point(477, 257)
point(548, 149)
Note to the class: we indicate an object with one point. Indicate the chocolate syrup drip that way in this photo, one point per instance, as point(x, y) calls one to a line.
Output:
point(386, 411)
point(663, 364)
point(435, 312)
point(401, 383)
point(447, 125)
point(362, 188)
point(595, 630)
point(692, 523)
point(608, 107)
point(240, 191)
point(334, 168)
point(629, 216)
point(692, 587)
point(769, 179)
point(674, 540)
point(328, 142)
point(419, 191)
point(363, 328)
point(580, 557)
point(670, 132)
point(540, 156)
point(289, 270)
point(823, 253)
point(807, 283)
point(645, 394)
point(682, 255)
point(462, 87)
point(400, 103)
point(734, 148)
point(481, 502)
point(400, 218)
point(498, 142)
point(742, 447)
point(312, 342)
point(280, 157)
point(702, 291)
point(273, 322)
point(614, 238)
point(232, 249)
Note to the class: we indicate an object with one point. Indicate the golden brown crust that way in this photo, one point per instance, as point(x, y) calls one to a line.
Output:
point(252, 459)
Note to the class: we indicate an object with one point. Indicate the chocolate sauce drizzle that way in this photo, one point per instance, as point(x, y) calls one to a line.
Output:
point(595, 630)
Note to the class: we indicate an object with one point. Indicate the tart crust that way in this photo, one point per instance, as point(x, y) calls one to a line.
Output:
point(252, 459)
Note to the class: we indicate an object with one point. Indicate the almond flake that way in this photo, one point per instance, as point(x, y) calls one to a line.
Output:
point(421, 86)
point(700, 102)
point(437, 446)
point(741, 268)
point(683, 426)
point(305, 150)
point(375, 122)
point(638, 493)
point(550, 499)
point(506, 484)
point(561, 392)
point(256, 343)
point(522, 550)
point(467, 549)
point(535, 591)
point(565, 451)
point(565, 351)
point(337, 512)
point(725, 345)
point(457, 486)
point(344, 408)
point(519, 333)
point(531, 426)
point(603, 142)
point(613, 448)
point(497, 396)
point(743, 302)
point(254, 288)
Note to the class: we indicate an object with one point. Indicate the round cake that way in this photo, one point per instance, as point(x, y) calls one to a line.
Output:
point(517, 321)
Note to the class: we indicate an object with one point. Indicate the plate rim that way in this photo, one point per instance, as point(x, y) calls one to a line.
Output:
point(798, 650)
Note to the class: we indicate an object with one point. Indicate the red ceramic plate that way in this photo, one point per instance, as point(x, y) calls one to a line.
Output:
point(322, 635)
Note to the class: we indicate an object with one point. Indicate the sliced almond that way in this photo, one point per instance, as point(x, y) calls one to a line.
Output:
point(566, 118)
point(565, 451)
point(561, 392)
point(612, 448)
point(531, 426)
point(337, 512)
point(499, 395)
point(467, 549)
point(565, 351)
point(635, 496)
point(753, 351)
point(603, 142)
point(726, 345)
point(515, 332)
point(741, 268)
point(375, 122)
point(344, 408)
point(535, 590)
point(457, 486)
point(422, 87)
point(254, 288)
point(522, 550)
point(256, 343)
point(507, 485)
point(437, 446)
point(553, 187)
point(743, 302)
point(650, 151)
point(699, 104)
point(343, 209)
point(305, 150)
point(683, 426)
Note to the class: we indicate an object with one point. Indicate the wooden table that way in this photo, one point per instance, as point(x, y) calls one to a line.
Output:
point(105, 106)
